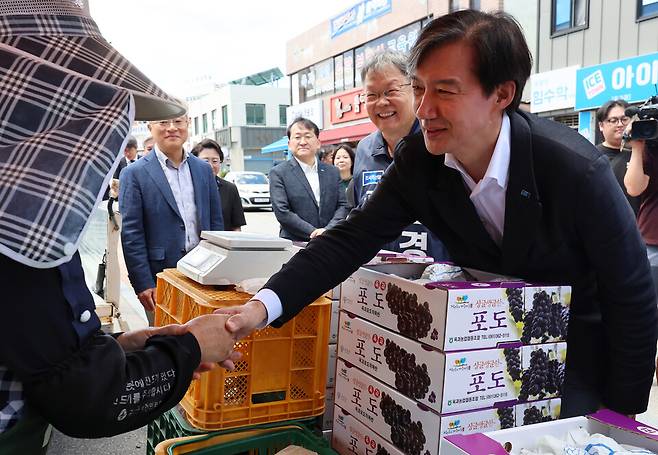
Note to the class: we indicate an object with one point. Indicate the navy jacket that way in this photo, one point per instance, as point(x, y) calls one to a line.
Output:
point(152, 229)
point(79, 379)
point(566, 222)
point(294, 204)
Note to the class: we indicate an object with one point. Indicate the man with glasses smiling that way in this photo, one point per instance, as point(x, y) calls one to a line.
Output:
point(612, 121)
point(387, 91)
point(166, 199)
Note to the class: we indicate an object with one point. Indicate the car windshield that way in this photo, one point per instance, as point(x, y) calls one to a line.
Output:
point(251, 179)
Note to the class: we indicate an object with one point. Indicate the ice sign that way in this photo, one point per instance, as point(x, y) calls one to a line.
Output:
point(594, 84)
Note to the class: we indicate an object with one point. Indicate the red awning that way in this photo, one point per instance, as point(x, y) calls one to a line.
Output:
point(346, 133)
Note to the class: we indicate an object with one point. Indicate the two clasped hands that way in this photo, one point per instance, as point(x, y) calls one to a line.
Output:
point(216, 334)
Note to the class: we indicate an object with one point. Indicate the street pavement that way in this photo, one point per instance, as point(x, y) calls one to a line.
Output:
point(134, 443)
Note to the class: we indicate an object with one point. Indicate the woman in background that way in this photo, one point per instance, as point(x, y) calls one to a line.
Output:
point(344, 161)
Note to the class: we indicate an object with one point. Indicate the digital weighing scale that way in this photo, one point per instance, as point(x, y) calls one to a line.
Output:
point(229, 257)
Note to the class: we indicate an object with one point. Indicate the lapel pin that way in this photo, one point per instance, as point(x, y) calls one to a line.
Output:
point(524, 193)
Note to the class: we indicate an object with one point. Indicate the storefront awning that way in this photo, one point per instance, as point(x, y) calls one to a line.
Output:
point(278, 146)
point(346, 133)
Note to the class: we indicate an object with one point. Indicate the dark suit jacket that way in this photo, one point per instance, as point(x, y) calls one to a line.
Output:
point(232, 211)
point(63, 359)
point(566, 222)
point(294, 204)
point(152, 229)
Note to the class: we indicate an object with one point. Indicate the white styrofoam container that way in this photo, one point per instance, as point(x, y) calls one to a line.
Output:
point(464, 315)
point(605, 422)
point(350, 436)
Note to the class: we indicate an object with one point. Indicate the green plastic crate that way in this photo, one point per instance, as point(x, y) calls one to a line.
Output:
point(265, 444)
point(171, 424)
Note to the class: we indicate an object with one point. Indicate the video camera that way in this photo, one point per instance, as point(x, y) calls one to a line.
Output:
point(646, 125)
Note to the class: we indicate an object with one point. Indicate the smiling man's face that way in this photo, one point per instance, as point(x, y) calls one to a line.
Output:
point(393, 115)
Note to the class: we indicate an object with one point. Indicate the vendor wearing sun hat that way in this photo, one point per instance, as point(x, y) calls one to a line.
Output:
point(67, 102)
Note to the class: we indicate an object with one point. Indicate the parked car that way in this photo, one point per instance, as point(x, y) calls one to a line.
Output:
point(254, 188)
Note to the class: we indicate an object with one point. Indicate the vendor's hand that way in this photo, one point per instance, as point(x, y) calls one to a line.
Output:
point(136, 339)
point(244, 319)
point(317, 232)
point(147, 299)
point(215, 341)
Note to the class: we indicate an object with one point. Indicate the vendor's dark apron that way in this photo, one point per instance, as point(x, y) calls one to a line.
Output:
point(30, 436)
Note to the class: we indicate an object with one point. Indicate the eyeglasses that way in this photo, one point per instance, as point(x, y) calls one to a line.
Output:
point(388, 94)
point(178, 123)
point(306, 137)
point(614, 120)
point(212, 160)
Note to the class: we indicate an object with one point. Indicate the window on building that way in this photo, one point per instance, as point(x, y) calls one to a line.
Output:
point(282, 115)
point(569, 16)
point(255, 114)
point(474, 4)
point(204, 122)
point(647, 9)
point(224, 116)
point(213, 119)
point(196, 125)
point(348, 69)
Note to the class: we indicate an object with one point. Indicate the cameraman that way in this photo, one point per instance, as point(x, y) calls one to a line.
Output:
point(612, 121)
point(641, 180)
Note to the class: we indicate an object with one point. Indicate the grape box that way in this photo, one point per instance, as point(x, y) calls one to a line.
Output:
point(460, 315)
point(445, 382)
point(352, 437)
point(412, 428)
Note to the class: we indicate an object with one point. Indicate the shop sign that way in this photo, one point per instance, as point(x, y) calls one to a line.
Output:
point(631, 79)
point(311, 110)
point(362, 12)
point(348, 106)
point(553, 90)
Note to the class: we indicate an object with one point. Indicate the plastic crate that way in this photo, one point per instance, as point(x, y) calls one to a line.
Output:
point(169, 425)
point(282, 373)
point(265, 441)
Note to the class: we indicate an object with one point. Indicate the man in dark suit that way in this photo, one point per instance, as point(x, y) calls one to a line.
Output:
point(506, 192)
point(166, 199)
point(305, 192)
point(129, 156)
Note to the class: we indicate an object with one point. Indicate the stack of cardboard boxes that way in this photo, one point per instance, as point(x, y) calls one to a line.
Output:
point(326, 423)
point(417, 362)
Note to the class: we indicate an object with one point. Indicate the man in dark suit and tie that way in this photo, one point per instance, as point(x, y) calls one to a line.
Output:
point(506, 192)
point(166, 199)
point(305, 192)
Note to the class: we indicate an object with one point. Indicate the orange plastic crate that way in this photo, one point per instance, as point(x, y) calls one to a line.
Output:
point(282, 374)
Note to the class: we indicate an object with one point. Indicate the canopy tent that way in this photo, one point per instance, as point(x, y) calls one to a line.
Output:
point(278, 146)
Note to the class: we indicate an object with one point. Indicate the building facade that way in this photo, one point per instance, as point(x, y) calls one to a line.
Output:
point(242, 118)
point(324, 63)
point(590, 51)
